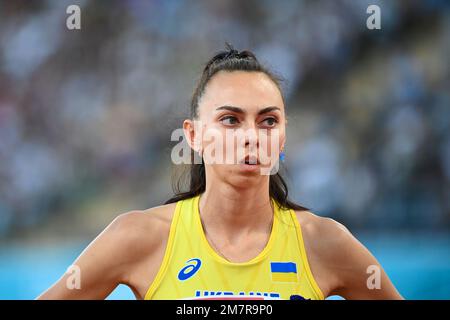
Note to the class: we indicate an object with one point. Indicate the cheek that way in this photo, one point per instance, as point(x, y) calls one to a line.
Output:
point(216, 145)
point(269, 151)
point(271, 143)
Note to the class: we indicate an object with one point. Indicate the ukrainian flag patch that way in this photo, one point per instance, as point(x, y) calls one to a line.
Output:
point(284, 271)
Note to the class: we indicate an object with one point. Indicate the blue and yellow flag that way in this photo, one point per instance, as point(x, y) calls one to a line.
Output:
point(284, 271)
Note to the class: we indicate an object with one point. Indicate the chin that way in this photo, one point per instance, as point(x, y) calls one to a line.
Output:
point(244, 179)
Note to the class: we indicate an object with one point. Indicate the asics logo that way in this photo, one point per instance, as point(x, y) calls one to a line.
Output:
point(190, 269)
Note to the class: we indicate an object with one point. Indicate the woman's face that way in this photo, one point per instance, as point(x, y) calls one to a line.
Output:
point(241, 126)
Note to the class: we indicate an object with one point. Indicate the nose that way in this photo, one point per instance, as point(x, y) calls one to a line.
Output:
point(251, 137)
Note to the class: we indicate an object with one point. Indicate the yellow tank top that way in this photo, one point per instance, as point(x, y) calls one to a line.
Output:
point(192, 269)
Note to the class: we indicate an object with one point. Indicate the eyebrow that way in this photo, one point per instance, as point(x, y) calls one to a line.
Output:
point(242, 111)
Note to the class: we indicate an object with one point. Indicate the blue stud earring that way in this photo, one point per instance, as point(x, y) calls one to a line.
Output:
point(282, 156)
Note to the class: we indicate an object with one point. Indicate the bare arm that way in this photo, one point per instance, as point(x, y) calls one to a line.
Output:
point(104, 264)
point(359, 274)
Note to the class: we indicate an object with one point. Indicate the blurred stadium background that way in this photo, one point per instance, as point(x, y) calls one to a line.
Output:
point(86, 117)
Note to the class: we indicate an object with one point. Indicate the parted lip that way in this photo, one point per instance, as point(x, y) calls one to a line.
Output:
point(250, 160)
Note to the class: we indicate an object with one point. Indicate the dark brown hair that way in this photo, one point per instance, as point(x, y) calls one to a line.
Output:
point(228, 60)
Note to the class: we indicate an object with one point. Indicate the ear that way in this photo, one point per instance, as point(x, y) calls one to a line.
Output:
point(282, 143)
point(192, 132)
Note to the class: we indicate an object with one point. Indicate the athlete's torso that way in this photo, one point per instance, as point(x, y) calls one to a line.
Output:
point(191, 269)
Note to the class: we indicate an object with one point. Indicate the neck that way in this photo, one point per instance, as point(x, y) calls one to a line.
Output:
point(236, 212)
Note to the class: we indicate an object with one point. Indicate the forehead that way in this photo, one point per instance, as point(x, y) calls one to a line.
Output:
point(241, 88)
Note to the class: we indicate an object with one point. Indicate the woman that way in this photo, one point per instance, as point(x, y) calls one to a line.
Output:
point(234, 234)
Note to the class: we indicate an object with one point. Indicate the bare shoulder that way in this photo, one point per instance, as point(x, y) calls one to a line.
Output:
point(141, 220)
point(141, 230)
point(142, 236)
point(339, 262)
point(324, 238)
point(324, 232)
point(130, 241)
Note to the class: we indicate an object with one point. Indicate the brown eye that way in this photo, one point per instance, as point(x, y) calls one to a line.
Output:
point(229, 120)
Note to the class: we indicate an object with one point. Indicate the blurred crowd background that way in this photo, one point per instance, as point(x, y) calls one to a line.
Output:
point(86, 117)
